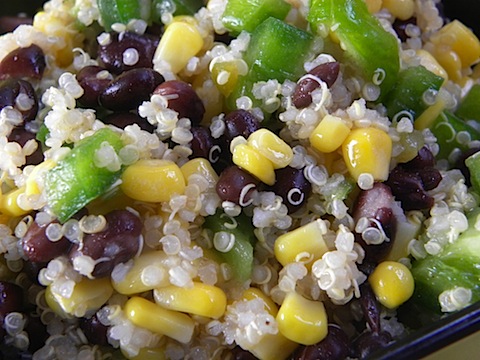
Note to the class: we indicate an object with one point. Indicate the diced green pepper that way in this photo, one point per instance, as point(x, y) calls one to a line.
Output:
point(240, 257)
point(469, 108)
point(248, 14)
point(76, 180)
point(122, 11)
point(452, 133)
point(269, 56)
point(182, 7)
point(367, 46)
point(458, 265)
point(408, 92)
point(473, 165)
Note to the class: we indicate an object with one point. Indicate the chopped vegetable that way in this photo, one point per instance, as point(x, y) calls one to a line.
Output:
point(122, 11)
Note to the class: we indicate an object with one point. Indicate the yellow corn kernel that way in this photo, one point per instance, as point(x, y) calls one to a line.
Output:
point(9, 205)
point(431, 64)
point(302, 320)
point(426, 119)
point(178, 44)
point(210, 301)
point(450, 61)
point(201, 167)
point(404, 233)
point(255, 293)
point(373, 6)
point(225, 74)
point(148, 315)
point(31, 185)
point(461, 40)
point(272, 147)
point(146, 273)
point(147, 354)
point(255, 163)
point(392, 283)
point(87, 296)
point(329, 134)
point(273, 347)
point(401, 9)
point(153, 180)
point(304, 241)
point(368, 150)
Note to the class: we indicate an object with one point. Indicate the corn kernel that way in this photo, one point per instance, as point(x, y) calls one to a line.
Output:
point(272, 147)
point(88, 296)
point(153, 180)
point(146, 273)
point(450, 61)
point(210, 301)
point(255, 163)
point(202, 167)
point(225, 74)
point(392, 283)
point(31, 185)
point(9, 204)
point(302, 320)
point(401, 9)
point(329, 134)
point(426, 119)
point(148, 315)
point(368, 150)
point(147, 354)
point(431, 64)
point(273, 347)
point(461, 40)
point(255, 293)
point(178, 44)
point(307, 239)
point(373, 6)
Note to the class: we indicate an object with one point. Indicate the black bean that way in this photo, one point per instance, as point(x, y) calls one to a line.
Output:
point(10, 23)
point(202, 143)
point(370, 307)
point(130, 89)
point(238, 353)
point(37, 333)
point(123, 119)
point(28, 62)
point(327, 72)
point(460, 164)
point(94, 330)
point(117, 243)
point(424, 159)
point(112, 55)
point(240, 123)
point(334, 346)
point(183, 99)
point(21, 135)
point(93, 86)
point(430, 177)
point(292, 186)
point(369, 342)
point(231, 185)
point(32, 269)
point(11, 300)
point(401, 25)
point(21, 96)
point(38, 248)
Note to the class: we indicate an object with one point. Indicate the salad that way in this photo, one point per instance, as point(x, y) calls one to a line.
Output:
point(230, 179)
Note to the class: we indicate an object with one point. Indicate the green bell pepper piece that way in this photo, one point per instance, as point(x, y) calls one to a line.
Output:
point(248, 14)
point(182, 7)
point(240, 257)
point(122, 11)
point(469, 108)
point(76, 180)
point(473, 165)
point(369, 49)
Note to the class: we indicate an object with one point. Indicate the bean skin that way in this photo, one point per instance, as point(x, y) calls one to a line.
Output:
point(293, 187)
point(424, 159)
point(117, 243)
point(21, 135)
point(92, 86)
point(240, 123)
point(38, 248)
point(111, 55)
point(130, 89)
point(369, 342)
point(327, 72)
point(28, 62)
point(11, 89)
point(94, 330)
point(183, 99)
point(370, 307)
point(202, 142)
point(232, 181)
point(37, 333)
point(401, 25)
point(124, 119)
point(11, 300)
point(239, 354)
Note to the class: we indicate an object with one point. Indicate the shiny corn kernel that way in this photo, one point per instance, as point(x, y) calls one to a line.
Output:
point(450, 61)
point(178, 44)
point(146, 273)
point(31, 185)
point(272, 147)
point(225, 74)
point(307, 239)
point(153, 180)
point(9, 204)
point(210, 301)
point(302, 320)
point(87, 296)
point(431, 64)
point(461, 40)
point(368, 150)
point(426, 119)
point(254, 162)
point(146, 314)
point(201, 167)
point(401, 9)
point(329, 134)
point(255, 293)
point(392, 283)
point(373, 6)
point(273, 347)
